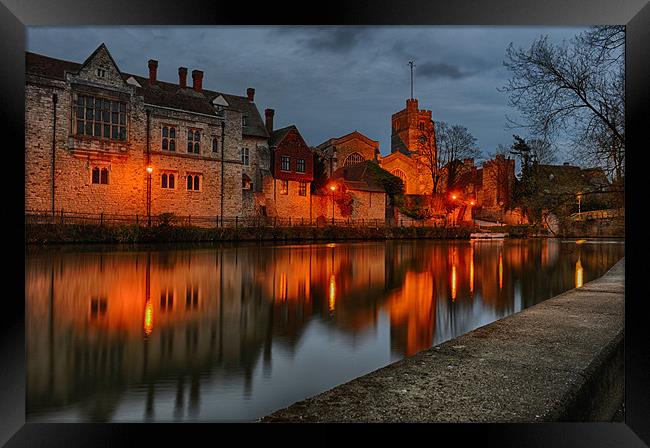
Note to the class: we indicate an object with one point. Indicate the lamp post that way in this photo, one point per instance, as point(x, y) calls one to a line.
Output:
point(332, 189)
point(579, 200)
point(149, 171)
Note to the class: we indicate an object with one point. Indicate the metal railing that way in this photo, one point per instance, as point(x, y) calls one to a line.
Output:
point(166, 219)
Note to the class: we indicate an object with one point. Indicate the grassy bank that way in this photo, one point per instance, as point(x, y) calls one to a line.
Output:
point(88, 234)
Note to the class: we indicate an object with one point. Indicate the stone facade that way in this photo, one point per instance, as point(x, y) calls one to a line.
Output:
point(346, 150)
point(498, 182)
point(112, 126)
point(366, 205)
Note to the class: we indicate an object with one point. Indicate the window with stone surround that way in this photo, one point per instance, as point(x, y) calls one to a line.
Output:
point(300, 166)
point(245, 156)
point(285, 164)
point(99, 117)
point(168, 181)
point(193, 182)
point(244, 120)
point(215, 144)
point(168, 138)
point(99, 175)
point(302, 188)
point(353, 158)
point(284, 187)
point(193, 141)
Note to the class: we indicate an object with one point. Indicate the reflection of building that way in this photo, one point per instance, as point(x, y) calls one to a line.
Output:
point(101, 324)
point(412, 312)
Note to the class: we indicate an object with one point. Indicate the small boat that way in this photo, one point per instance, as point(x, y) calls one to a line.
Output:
point(487, 236)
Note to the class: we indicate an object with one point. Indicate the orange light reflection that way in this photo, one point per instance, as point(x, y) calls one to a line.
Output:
point(148, 318)
point(579, 274)
point(332, 301)
point(453, 282)
point(500, 271)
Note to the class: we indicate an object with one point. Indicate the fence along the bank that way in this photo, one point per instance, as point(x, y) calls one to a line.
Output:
point(106, 219)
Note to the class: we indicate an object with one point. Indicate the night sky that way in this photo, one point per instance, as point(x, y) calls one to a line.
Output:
point(328, 81)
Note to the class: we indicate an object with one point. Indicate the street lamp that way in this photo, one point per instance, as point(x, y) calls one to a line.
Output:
point(579, 200)
point(332, 189)
point(149, 171)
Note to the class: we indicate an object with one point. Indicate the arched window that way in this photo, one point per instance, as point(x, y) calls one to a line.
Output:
point(193, 182)
point(171, 181)
point(163, 181)
point(104, 176)
point(353, 158)
point(96, 175)
point(401, 174)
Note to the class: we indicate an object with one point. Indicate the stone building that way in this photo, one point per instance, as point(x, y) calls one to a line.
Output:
point(99, 140)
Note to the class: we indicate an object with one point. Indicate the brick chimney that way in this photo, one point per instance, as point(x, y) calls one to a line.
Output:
point(182, 77)
point(269, 119)
point(250, 92)
point(197, 80)
point(153, 69)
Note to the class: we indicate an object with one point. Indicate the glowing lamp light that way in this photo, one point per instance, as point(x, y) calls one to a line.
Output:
point(149, 169)
point(454, 196)
point(333, 187)
point(471, 202)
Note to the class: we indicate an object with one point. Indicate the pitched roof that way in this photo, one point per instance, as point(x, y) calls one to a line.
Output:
point(358, 177)
point(279, 134)
point(160, 93)
point(346, 137)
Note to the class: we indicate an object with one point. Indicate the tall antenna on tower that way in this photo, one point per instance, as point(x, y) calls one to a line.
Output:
point(412, 64)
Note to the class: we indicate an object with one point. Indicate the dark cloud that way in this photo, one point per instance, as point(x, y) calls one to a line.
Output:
point(327, 80)
point(440, 70)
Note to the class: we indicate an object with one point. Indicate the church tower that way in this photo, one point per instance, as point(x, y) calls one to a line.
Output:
point(413, 131)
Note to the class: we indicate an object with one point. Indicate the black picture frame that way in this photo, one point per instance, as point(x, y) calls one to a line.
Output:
point(15, 15)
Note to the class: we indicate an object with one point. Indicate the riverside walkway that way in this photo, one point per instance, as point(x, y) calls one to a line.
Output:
point(559, 360)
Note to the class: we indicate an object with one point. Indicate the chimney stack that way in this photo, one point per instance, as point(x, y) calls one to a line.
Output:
point(153, 69)
point(250, 92)
point(197, 80)
point(182, 77)
point(269, 119)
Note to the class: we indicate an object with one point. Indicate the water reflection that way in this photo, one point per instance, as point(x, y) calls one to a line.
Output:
point(234, 333)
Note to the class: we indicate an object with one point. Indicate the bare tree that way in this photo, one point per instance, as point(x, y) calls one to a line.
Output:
point(455, 143)
point(428, 155)
point(574, 88)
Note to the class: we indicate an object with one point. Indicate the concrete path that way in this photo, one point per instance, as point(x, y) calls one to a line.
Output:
point(560, 360)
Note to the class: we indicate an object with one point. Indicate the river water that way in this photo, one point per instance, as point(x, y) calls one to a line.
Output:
point(233, 333)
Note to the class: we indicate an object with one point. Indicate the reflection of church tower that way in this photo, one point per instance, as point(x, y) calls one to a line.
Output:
point(412, 130)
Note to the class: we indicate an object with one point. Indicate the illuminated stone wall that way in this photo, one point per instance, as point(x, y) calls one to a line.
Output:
point(126, 161)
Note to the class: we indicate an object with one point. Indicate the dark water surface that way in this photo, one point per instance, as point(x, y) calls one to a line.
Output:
point(234, 333)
